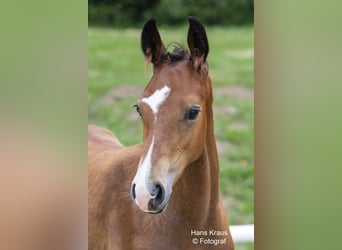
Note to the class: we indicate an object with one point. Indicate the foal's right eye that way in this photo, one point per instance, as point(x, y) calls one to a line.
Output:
point(137, 109)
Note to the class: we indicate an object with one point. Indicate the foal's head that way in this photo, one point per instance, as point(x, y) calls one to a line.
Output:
point(173, 109)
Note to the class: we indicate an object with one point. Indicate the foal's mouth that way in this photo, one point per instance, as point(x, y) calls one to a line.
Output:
point(160, 210)
point(154, 202)
point(151, 208)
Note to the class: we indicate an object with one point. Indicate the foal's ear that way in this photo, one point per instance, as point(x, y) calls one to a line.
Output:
point(197, 42)
point(151, 43)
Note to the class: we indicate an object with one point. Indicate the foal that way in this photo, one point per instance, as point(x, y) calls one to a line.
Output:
point(163, 193)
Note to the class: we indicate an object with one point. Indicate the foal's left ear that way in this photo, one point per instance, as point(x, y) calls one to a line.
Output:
point(198, 43)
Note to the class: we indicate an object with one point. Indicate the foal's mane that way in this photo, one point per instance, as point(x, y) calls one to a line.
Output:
point(179, 53)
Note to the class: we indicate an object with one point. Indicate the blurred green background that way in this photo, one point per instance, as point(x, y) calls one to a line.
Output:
point(298, 90)
point(128, 13)
point(117, 77)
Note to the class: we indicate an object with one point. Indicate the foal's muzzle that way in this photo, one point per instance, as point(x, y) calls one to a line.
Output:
point(151, 200)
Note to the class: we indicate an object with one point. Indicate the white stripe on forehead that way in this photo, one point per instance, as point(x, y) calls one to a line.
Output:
point(157, 98)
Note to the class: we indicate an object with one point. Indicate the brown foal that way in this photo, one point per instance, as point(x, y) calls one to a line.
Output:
point(163, 193)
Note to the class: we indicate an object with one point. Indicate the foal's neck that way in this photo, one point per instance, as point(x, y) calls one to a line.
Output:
point(199, 184)
point(212, 156)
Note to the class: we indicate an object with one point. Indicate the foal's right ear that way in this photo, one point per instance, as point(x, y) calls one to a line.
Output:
point(151, 43)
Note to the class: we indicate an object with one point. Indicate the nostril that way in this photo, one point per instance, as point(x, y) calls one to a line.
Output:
point(133, 191)
point(155, 190)
point(160, 195)
point(159, 198)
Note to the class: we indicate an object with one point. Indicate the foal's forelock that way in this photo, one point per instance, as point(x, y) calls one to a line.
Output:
point(179, 54)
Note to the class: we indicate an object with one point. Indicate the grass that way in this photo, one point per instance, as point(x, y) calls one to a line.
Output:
point(116, 62)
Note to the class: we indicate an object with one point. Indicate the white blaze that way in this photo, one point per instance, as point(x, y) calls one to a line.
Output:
point(142, 176)
point(141, 180)
point(156, 99)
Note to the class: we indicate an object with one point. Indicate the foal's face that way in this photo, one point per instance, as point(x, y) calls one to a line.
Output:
point(173, 112)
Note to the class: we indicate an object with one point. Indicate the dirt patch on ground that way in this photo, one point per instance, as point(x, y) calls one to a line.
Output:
point(223, 147)
point(126, 91)
point(228, 202)
point(240, 126)
point(231, 91)
point(120, 93)
point(238, 91)
point(223, 110)
point(247, 53)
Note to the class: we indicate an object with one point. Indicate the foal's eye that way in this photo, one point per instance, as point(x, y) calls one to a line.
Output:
point(193, 113)
point(137, 109)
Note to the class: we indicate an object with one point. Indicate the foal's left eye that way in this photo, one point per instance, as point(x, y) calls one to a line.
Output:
point(193, 113)
point(137, 109)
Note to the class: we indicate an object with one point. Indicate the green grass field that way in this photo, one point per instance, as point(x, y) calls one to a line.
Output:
point(117, 76)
